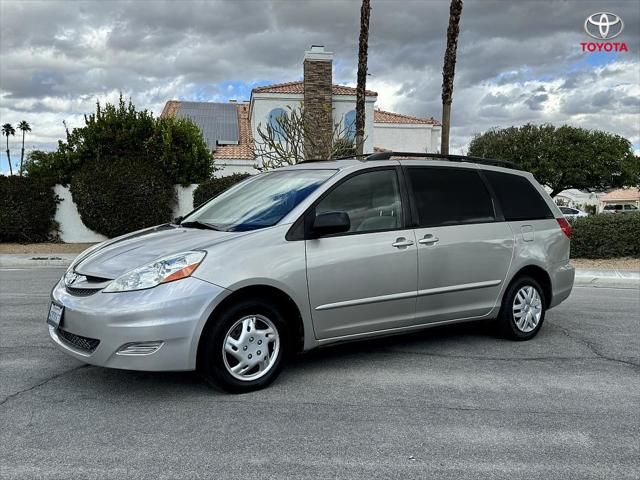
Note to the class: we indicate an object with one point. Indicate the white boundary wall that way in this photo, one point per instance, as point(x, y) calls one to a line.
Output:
point(72, 230)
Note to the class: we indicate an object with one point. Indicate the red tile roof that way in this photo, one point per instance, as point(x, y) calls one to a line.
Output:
point(244, 149)
point(298, 87)
point(380, 116)
point(622, 194)
point(170, 109)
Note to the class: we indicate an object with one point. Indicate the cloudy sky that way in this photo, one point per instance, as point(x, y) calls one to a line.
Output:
point(518, 61)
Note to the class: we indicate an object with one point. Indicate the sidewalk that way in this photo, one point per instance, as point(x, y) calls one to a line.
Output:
point(584, 276)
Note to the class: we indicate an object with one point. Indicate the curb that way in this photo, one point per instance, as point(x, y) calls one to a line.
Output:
point(36, 260)
point(607, 278)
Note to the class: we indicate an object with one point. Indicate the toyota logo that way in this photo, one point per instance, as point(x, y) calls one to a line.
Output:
point(603, 25)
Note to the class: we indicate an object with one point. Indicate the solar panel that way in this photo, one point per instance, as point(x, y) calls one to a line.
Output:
point(217, 121)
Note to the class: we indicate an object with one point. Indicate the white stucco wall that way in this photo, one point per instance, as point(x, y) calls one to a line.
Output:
point(229, 167)
point(72, 230)
point(407, 137)
point(263, 103)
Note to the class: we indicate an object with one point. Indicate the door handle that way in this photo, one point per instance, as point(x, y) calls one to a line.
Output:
point(402, 242)
point(428, 240)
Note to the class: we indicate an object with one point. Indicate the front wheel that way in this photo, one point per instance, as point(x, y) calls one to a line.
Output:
point(245, 349)
point(523, 308)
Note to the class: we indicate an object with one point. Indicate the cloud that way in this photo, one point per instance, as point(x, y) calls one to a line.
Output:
point(518, 62)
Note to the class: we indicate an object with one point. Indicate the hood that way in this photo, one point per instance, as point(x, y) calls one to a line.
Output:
point(125, 253)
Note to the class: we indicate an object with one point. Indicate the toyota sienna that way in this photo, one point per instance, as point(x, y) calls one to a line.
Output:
point(318, 253)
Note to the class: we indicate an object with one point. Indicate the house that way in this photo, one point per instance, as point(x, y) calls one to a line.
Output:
point(623, 196)
point(229, 128)
point(580, 199)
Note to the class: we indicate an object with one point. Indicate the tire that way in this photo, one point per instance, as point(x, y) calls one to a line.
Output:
point(523, 295)
point(234, 357)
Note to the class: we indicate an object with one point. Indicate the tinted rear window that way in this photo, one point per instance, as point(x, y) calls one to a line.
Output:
point(518, 198)
point(450, 196)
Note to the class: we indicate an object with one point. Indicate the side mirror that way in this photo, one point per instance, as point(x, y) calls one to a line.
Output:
point(331, 222)
point(178, 219)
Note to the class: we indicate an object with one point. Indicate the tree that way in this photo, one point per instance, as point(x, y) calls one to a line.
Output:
point(564, 157)
point(448, 70)
point(178, 146)
point(363, 47)
point(24, 127)
point(174, 146)
point(7, 130)
point(282, 142)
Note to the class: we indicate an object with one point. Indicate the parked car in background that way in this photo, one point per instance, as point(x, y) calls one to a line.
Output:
point(620, 208)
point(314, 254)
point(572, 213)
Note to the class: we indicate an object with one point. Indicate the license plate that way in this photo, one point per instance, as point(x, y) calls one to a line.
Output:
point(55, 315)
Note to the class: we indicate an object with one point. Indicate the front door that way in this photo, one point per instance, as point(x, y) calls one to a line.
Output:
point(365, 279)
point(463, 252)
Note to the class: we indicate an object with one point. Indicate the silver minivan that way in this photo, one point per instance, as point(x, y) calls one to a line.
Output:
point(318, 253)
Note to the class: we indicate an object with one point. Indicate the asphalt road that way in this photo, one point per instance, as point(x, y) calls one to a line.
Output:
point(452, 402)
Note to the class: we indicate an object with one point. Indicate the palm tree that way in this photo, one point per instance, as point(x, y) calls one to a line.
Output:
point(7, 130)
point(24, 127)
point(449, 70)
point(363, 48)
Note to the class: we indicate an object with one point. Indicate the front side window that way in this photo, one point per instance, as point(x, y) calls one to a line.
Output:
point(371, 199)
point(450, 196)
point(630, 207)
point(260, 201)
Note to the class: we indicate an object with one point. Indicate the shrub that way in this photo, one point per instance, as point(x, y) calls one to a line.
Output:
point(606, 236)
point(27, 210)
point(214, 187)
point(178, 147)
point(122, 196)
point(173, 146)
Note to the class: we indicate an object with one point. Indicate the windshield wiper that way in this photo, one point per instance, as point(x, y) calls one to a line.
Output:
point(201, 225)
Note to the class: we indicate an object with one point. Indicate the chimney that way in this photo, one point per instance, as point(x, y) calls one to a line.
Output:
point(318, 115)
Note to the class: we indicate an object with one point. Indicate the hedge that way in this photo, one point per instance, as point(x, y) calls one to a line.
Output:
point(214, 187)
point(27, 210)
point(606, 236)
point(122, 196)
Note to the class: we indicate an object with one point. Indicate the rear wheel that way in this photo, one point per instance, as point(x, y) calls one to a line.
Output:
point(523, 309)
point(245, 348)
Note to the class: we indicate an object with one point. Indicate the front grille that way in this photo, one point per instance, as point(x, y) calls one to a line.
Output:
point(81, 292)
point(85, 344)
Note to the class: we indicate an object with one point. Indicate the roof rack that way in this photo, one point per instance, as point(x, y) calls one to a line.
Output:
point(439, 156)
point(364, 156)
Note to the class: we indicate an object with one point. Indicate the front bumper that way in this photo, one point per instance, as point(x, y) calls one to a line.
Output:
point(172, 313)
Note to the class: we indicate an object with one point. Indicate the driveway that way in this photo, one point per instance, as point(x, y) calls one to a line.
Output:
point(452, 402)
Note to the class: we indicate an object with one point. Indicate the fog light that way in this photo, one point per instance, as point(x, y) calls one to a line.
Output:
point(139, 348)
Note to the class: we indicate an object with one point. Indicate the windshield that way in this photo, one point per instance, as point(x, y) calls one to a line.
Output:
point(260, 201)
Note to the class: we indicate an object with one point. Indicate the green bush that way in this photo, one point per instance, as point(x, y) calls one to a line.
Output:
point(173, 146)
point(214, 187)
point(178, 147)
point(122, 196)
point(27, 209)
point(606, 236)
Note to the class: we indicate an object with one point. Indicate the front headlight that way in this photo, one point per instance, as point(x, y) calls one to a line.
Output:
point(164, 270)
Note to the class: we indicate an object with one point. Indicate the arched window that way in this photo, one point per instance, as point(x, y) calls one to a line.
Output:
point(273, 122)
point(350, 124)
